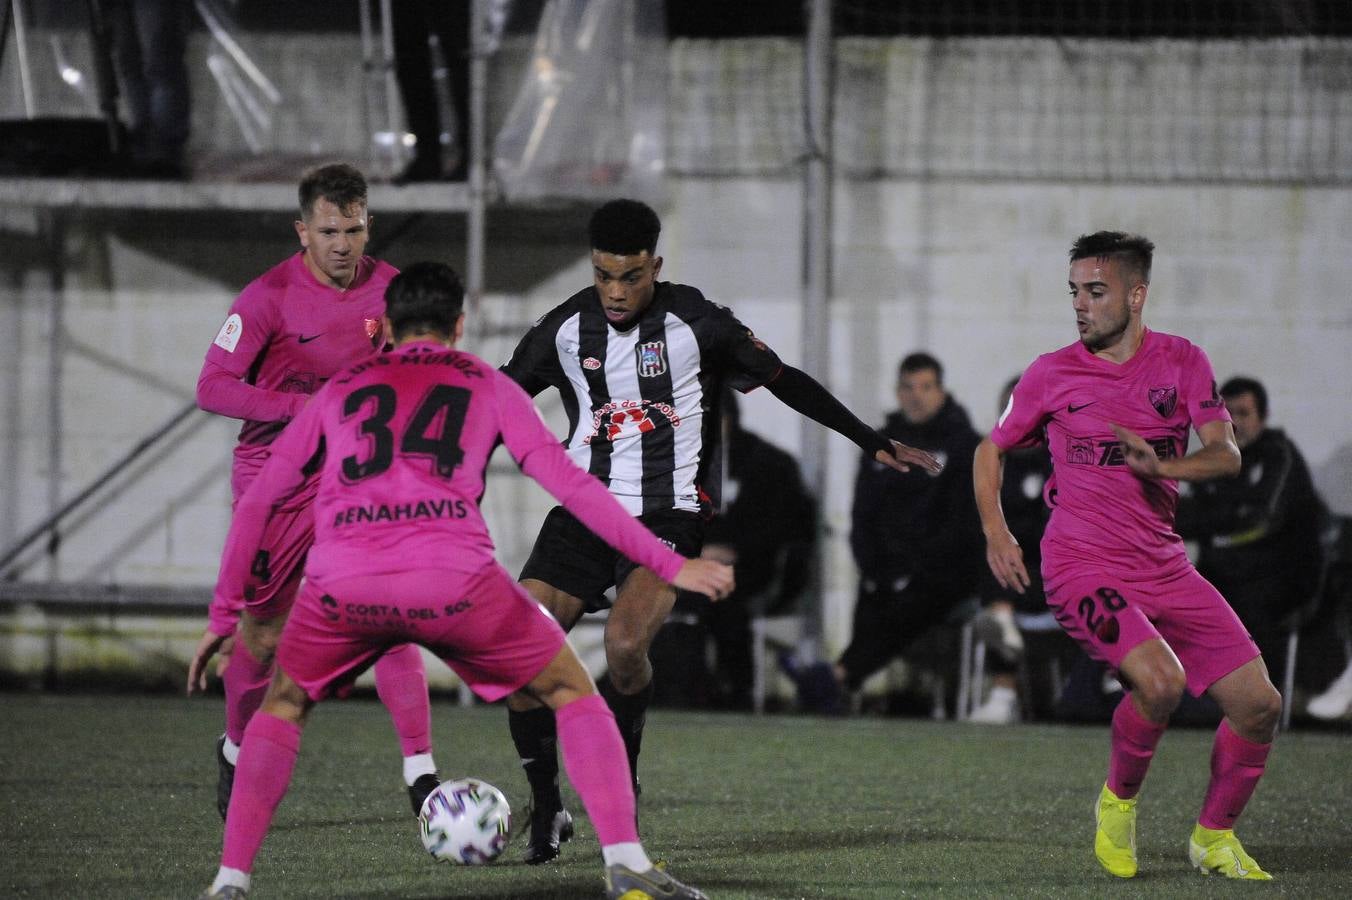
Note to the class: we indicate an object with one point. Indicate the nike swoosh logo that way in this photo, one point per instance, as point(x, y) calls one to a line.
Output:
point(1072, 408)
point(305, 339)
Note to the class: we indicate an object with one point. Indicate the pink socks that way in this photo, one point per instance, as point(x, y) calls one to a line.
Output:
point(595, 760)
point(1134, 738)
point(262, 776)
point(246, 683)
point(401, 682)
point(1236, 766)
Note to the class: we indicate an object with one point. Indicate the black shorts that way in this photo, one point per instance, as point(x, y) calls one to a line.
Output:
point(568, 557)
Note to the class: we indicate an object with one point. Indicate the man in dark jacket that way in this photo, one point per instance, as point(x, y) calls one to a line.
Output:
point(1258, 533)
point(914, 536)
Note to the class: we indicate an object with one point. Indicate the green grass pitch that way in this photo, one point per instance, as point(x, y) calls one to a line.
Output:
point(114, 796)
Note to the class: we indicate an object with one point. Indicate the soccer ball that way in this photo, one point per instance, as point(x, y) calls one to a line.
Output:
point(465, 821)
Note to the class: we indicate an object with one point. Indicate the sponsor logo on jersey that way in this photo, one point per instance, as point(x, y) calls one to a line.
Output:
point(1080, 451)
point(1090, 452)
point(299, 383)
point(652, 359)
point(229, 334)
point(626, 418)
point(430, 508)
point(591, 364)
point(330, 608)
point(1164, 399)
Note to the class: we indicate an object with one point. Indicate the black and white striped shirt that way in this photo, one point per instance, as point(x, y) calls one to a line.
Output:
point(642, 402)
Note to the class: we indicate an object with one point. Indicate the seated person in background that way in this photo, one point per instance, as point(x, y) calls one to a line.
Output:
point(915, 537)
point(1258, 533)
point(1026, 511)
point(767, 530)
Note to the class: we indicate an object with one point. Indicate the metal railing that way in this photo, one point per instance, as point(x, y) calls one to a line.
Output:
point(50, 526)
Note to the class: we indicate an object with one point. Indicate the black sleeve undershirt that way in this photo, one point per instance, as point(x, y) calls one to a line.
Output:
point(801, 392)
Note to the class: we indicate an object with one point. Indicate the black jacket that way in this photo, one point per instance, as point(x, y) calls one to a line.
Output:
point(771, 521)
point(1267, 519)
point(911, 523)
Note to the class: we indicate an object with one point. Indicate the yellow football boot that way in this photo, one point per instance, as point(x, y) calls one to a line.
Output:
point(1219, 851)
point(1115, 839)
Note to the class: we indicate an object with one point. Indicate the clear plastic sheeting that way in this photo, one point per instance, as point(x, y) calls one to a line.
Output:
point(589, 119)
point(46, 71)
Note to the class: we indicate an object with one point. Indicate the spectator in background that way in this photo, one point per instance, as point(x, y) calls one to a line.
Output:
point(914, 536)
point(413, 21)
point(150, 44)
point(766, 530)
point(1258, 533)
point(1022, 492)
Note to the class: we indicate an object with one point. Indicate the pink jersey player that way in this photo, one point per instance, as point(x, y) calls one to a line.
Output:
point(405, 440)
point(1102, 514)
point(400, 444)
point(288, 332)
point(285, 336)
point(1114, 411)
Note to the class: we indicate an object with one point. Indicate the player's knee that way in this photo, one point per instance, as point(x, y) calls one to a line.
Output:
point(1160, 690)
point(261, 639)
point(626, 650)
point(286, 699)
point(1258, 721)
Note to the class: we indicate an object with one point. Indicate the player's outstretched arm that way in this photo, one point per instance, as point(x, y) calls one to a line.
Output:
point(903, 457)
point(805, 395)
point(709, 577)
point(1003, 554)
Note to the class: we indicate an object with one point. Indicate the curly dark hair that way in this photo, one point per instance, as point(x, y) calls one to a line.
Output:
point(624, 227)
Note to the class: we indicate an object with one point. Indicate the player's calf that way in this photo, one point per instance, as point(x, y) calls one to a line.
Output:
point(225, 776)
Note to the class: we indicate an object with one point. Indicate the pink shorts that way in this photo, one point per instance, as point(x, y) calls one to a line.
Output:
point(1109, 615)
point(286, 540)
point(484, 626)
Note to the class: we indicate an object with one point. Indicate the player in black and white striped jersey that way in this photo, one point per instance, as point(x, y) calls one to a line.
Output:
point(640, 364)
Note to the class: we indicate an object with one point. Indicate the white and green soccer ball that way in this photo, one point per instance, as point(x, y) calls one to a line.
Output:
point(465, 821)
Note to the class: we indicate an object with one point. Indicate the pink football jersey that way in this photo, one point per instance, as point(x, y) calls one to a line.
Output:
point(401, 443)
point(1102, 514)
point(286, 334)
